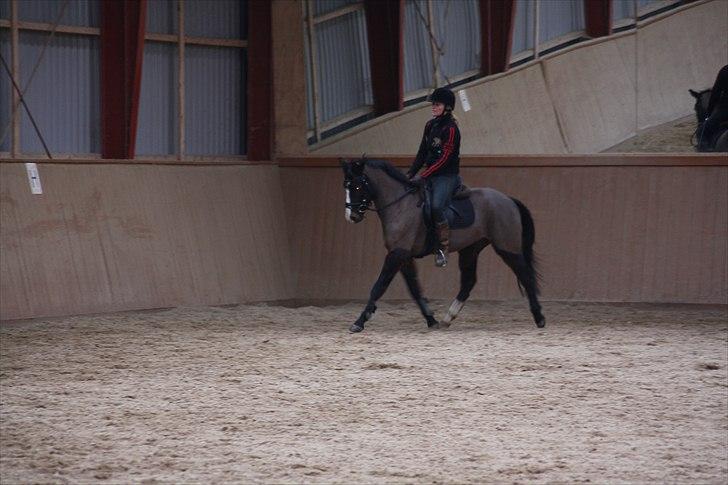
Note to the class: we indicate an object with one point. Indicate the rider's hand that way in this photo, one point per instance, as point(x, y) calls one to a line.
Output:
point(417, 180)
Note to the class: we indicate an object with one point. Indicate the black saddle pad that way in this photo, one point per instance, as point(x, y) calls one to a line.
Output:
point(460, 214)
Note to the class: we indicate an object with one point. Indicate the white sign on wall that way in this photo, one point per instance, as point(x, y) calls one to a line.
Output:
point(465, 103)
point(33, 178)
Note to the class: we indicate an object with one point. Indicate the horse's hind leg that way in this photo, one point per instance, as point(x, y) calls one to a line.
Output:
point(526, 275)
point(409, 272)
point(468, 263)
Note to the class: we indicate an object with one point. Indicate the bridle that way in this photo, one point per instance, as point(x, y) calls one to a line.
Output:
point(358, 183)
point(362, 182)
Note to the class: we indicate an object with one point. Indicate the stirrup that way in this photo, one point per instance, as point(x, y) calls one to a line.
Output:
point(440, 258)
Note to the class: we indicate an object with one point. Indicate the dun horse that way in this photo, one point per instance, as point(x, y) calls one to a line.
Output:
point(490, 217)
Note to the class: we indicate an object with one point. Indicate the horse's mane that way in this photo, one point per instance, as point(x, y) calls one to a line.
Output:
point(389, 169)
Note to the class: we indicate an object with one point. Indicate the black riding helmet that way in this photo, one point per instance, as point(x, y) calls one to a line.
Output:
point(444, 96)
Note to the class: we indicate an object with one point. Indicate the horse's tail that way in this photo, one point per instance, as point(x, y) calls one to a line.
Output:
point(528, 237)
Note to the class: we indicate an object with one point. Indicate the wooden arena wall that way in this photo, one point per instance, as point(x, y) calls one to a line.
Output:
point(608, 228)
point(119, 236)
point(109, 237)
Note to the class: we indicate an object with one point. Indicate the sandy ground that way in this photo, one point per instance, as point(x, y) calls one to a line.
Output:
point(671, 137)
point(606, 393)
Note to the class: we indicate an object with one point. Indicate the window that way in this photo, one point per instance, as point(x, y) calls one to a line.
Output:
point(441, 43)
point(559, 21)
point(647, 8)
point(201, 113)
point(337, 63)
point(523, 30)
point(623, 13)
point(57, 69)
point(549, 25)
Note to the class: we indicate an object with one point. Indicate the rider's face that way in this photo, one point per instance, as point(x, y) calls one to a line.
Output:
point(438, 109)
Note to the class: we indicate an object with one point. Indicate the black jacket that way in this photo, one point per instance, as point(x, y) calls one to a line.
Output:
point(440, 148)
point(720, 90)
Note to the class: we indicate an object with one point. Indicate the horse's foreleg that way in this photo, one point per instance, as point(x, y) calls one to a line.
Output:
point(409, 272)
point(468, 263)
point(392, 264)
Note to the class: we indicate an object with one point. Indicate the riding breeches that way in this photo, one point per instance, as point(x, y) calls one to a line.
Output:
point(441, 190)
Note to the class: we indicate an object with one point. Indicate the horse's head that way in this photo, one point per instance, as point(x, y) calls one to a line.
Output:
point(358, 191)
point(701, 103)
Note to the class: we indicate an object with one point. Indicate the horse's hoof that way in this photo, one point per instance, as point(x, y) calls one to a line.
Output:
point(356, 328)
point(452, 312)
point(541, 323)
point(444, 325)
point(432, 323)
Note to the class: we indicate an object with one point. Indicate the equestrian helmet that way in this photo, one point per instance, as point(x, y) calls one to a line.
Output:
point(444, 96)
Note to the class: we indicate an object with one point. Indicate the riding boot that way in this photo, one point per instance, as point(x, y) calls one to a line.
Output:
point(443, 236)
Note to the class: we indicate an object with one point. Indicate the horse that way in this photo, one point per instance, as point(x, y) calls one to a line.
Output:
point(719, 143)
point(497, 220)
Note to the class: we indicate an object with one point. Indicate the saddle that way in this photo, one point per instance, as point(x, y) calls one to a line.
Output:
point(461, 192)
point(460, 214)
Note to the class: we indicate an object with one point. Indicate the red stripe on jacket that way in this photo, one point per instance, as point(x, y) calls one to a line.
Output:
point(445, 155)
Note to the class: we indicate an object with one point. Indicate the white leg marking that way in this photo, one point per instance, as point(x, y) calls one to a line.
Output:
point(347, 212)
point(453, 311)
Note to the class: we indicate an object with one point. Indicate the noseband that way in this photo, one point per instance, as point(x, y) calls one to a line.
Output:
point(358, 183)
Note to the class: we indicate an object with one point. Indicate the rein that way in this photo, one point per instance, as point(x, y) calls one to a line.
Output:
point(410, 190)
point(364, 204)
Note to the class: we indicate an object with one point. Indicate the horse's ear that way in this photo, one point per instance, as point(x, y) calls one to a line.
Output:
point(694, 93)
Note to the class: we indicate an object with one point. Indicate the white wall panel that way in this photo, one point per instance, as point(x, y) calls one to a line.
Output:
point(458, 34)
point(162, 16)
point(225, 19)
point(523, 27)
point(6, 94)
point(86, 13)
point(622, 9)
point(417, 50)
point(559, 17)
point(321, 7)
point(344, 74)
point(157, 132)
point(64, 96)
point(214, 100)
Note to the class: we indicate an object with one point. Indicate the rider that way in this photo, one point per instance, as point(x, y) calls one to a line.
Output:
point(440, 153)
point(717, 109)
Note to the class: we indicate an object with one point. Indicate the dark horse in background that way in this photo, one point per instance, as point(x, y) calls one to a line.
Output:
point(496, 219)
point(719, 142)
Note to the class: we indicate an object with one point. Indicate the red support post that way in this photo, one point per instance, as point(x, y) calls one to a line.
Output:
point(260, 80)
point(122, 50)
point(598, 17)
point(385, 31)
point(497, 18)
